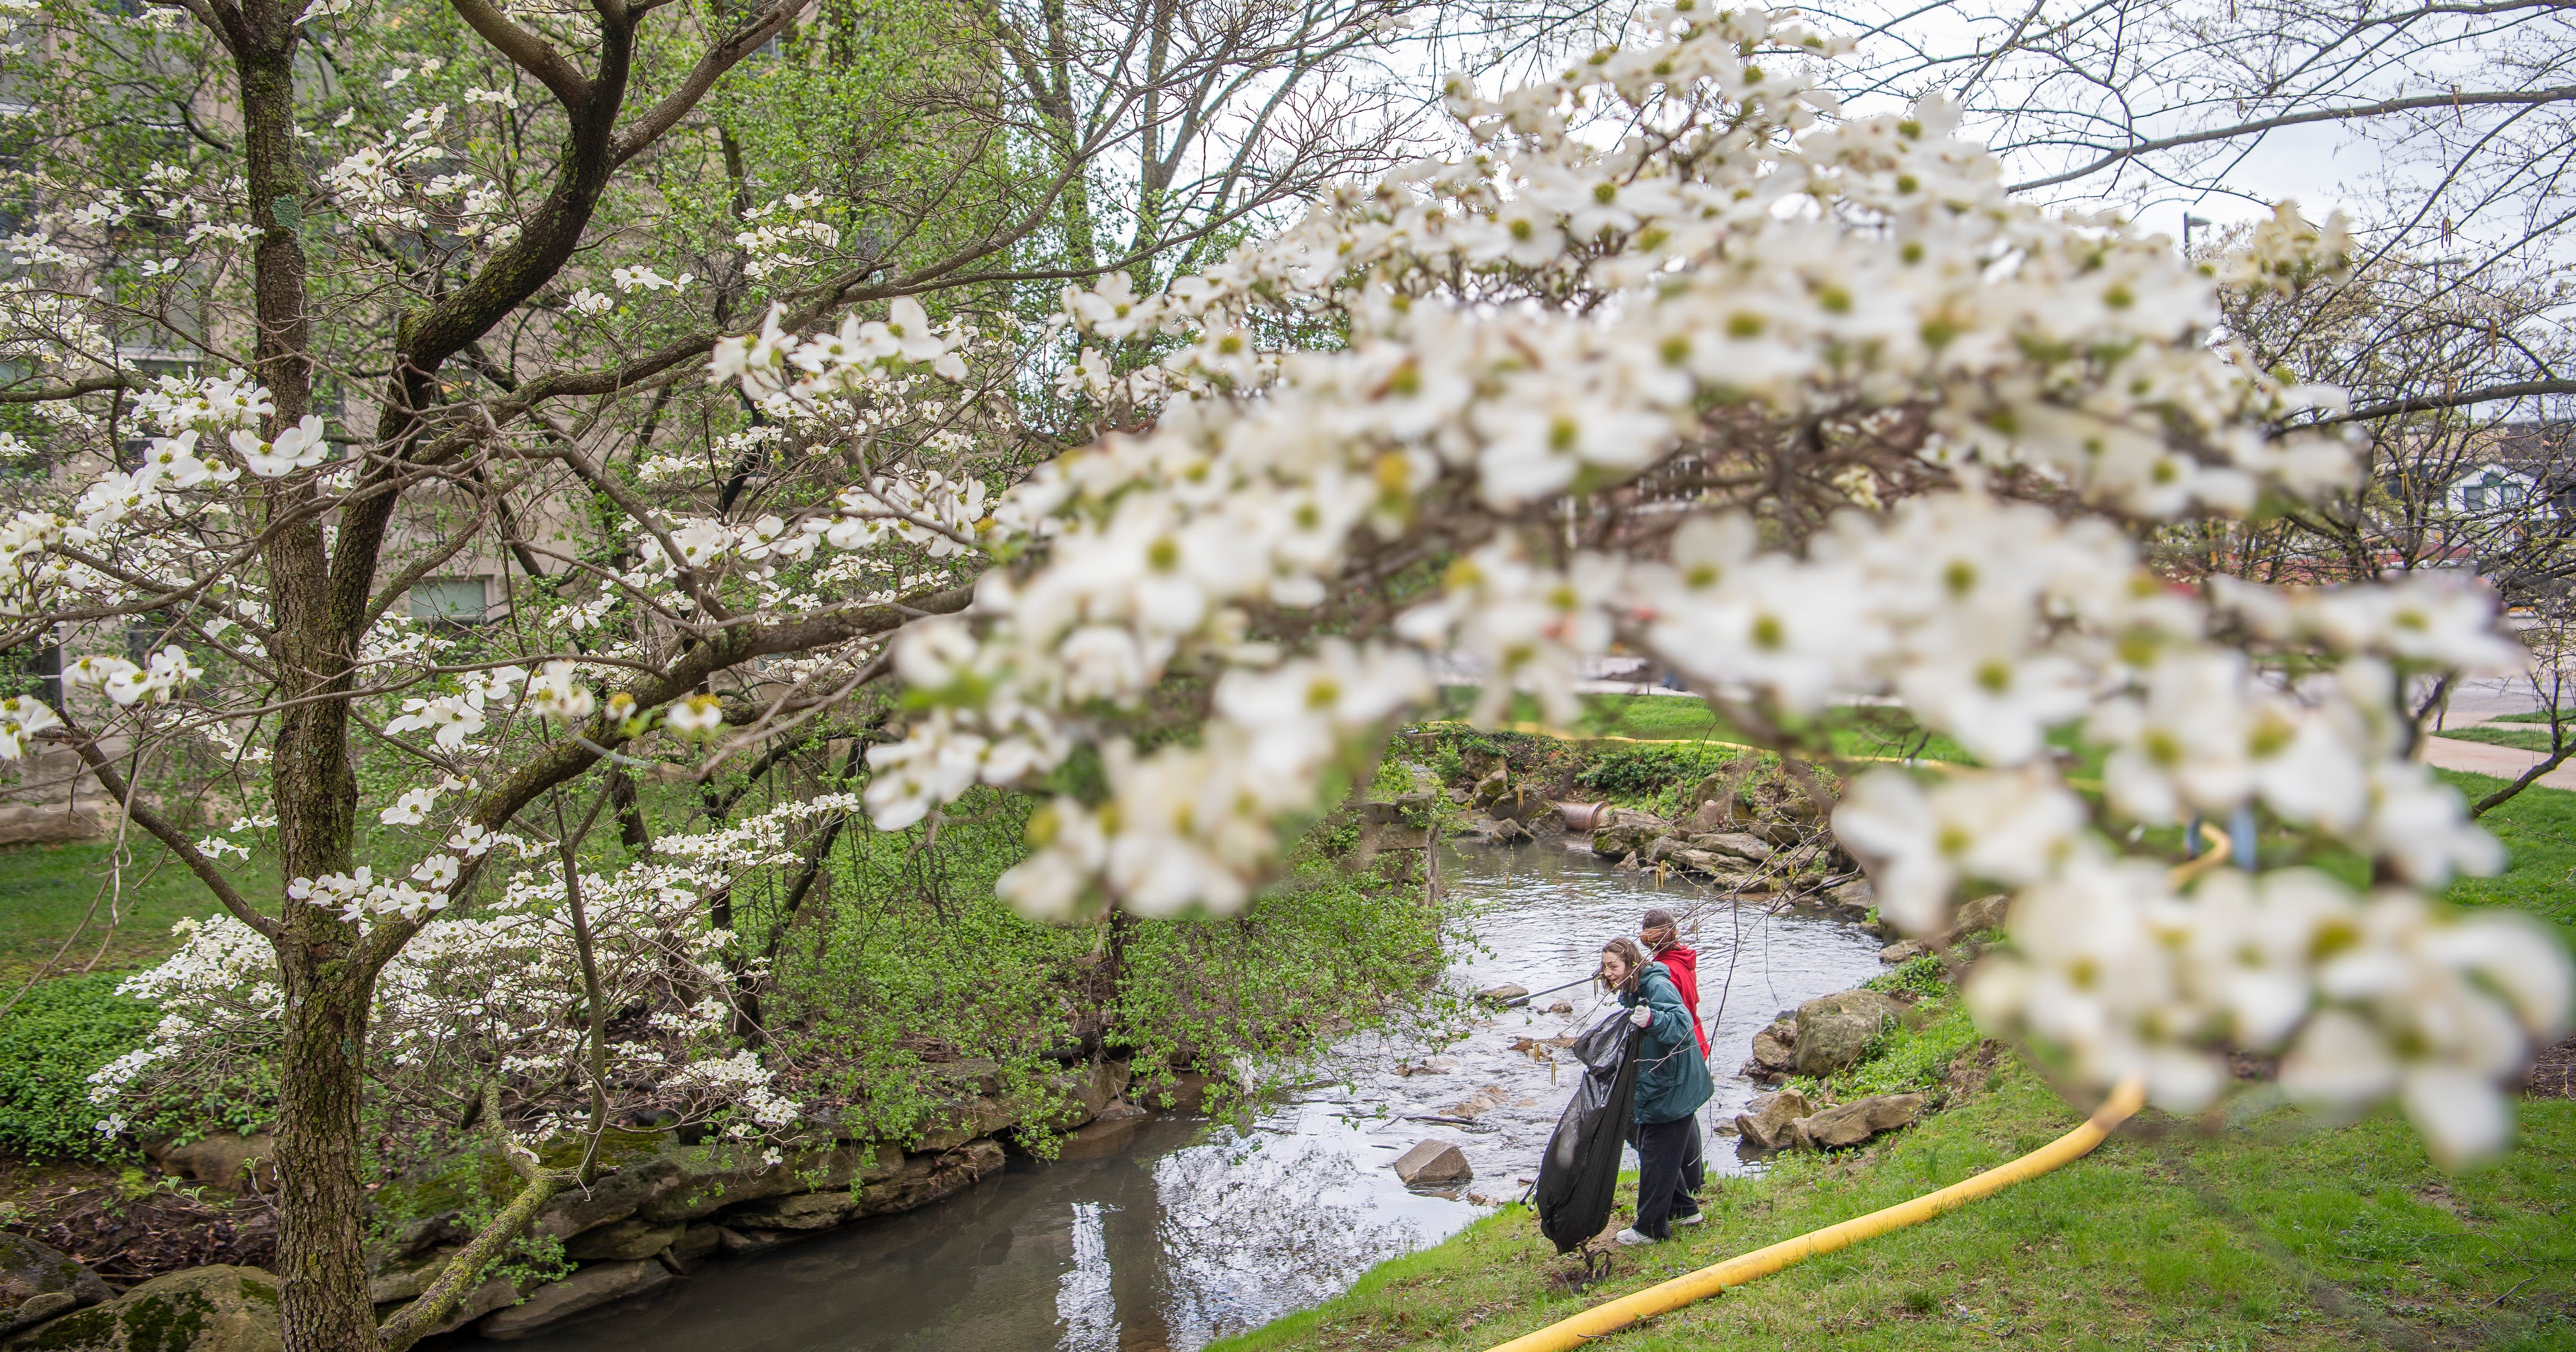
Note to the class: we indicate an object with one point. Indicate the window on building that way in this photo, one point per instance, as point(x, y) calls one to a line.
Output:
point(2491, 489)
point(454, 600)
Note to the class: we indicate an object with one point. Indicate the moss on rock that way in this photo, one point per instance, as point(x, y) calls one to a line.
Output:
point(207, 1309)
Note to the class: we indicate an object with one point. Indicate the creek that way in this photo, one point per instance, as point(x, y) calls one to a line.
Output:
point(1178, 1231)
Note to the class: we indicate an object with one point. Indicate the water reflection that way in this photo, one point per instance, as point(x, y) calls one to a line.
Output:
point(1169, 1234)
point(1084, 1302)
point(1258, 1228)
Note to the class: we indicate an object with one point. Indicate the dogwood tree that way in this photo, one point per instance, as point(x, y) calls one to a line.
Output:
point(317, 304)
point(571, 1002)
point(1671, 354)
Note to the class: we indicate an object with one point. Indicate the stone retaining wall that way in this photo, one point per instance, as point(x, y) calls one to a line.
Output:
point(50, 797)
point(666, 1203)
point(671, 1202)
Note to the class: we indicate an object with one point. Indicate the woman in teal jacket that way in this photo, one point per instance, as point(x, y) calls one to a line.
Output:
point(1672, 1082)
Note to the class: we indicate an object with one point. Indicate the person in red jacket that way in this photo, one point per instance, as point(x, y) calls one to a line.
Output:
point(1663, 942)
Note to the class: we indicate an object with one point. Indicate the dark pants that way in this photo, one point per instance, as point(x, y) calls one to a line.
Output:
point(1669, 1169)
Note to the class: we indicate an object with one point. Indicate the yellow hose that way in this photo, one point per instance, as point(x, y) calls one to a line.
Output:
point(1606, 1319)
point(2203, 862)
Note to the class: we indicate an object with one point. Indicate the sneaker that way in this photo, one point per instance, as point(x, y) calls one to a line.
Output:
point(1632, 1239)
point(1692, 1219)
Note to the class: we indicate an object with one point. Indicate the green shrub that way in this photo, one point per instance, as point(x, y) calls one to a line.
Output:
point(1924, 974)
point(49, 1045)
point(1646, 771)
point(1913, 1061)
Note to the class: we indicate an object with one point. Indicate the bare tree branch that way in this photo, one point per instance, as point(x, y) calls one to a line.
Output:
point(2557, 94)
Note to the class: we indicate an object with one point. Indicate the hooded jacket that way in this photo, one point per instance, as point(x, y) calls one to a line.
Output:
point(1672, 1076)
point(1682, 964)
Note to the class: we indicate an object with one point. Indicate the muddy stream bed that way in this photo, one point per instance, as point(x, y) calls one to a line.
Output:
point(1181, 1231)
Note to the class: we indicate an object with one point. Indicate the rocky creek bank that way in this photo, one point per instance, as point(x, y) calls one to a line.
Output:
point(1752, 834)
point(1833, 1040)
point(1742, 830)
point(666, 1202)
point(1815, 1041)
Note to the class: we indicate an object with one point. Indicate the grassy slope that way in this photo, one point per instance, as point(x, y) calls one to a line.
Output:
point(1856, 731)
point(2268, 1233)
point(46, 891)
point(2527, 739)
point(2538, 828)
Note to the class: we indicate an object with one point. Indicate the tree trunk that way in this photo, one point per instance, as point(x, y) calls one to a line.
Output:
point(322, 1295)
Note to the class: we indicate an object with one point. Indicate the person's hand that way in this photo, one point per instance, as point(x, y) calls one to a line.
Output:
point(1641, 1016)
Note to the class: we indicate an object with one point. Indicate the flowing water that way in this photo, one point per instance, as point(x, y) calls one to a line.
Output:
point(1177, 1232)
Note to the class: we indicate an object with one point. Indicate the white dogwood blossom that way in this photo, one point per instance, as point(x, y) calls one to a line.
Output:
point(163, 676)
point(557, 692)
point(495, 996)
point(22, 718)
point(1749, 263)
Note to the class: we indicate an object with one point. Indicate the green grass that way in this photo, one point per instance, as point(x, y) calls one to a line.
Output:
point(2538, 828)
point(1853, 730)
point(2527, 739)
point(2535, 716)
point(53, 893)
point(2268, 1233)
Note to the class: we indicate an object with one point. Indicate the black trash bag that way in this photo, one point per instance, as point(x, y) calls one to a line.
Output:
point(1580, 1172)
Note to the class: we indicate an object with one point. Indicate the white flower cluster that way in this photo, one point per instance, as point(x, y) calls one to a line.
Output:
point(2368, 997)
point(1192, 825)
point(415, 804)
point(742, 1079)
point(21, 718)
point(927, 509)
point(704, 542)
point(1549, 316)
point(212, 405)
point(360, 895)
point(172, 461)
point(2290, 254)
point(456, 718)
point(220, 989)
point(228, 407)
point(163, 676)
point(639, 278)
point(557, 692)
point(483, 212)
point(770, 244)
point(129, 514)
point(298, 447)
point(36, 249)
point(771, 363)
point(495, 993)
point(756, 840)
point(368, 183)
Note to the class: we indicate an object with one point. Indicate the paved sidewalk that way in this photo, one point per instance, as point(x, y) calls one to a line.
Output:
point(2503, 762)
